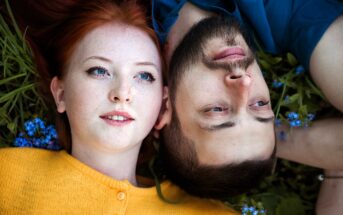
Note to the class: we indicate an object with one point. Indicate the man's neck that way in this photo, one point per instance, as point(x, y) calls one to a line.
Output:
point(188, 16)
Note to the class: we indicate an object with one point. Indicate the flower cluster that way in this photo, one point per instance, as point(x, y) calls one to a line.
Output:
point(251, 210)
point(294, 96)
point(36, 134)
point(295, 121)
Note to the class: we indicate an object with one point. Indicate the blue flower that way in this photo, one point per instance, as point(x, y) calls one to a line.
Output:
point(287, 99)
point(292, 116)
point(277, 84)
point(39, 123)
point(30, 128)
point(295, 123)
point(282, 135)
point(22, 142)
point(299, 70)
point(245, 209)
point(311, 116)
point(37, 134)
point(277, 122)
point(252, 209)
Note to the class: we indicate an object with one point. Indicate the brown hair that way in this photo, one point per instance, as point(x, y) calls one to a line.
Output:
point(55, 29)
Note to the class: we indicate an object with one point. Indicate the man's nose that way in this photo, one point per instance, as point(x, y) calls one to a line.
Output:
point(121, 92)
point(238, 78)
point(238, 83)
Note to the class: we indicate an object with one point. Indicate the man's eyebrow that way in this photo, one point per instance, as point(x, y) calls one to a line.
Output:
point(227, 124)
point(265, 120)
point(230, 124)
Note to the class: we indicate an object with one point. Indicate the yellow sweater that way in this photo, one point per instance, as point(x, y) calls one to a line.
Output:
point(36, 181)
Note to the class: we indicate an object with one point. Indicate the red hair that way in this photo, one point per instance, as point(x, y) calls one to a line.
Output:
point(57, 27)
point(91, 15)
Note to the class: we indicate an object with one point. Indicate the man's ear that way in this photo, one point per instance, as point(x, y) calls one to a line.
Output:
point(166, 111)
point(166, 52)
point(57, 90)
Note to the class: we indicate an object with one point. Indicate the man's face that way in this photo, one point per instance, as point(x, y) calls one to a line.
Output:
point(223, 103)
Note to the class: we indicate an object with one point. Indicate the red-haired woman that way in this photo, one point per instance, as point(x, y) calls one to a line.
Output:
point(101, 62)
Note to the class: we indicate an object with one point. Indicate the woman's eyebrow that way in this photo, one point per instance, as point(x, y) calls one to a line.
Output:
point(98, 58)
point(146, 63)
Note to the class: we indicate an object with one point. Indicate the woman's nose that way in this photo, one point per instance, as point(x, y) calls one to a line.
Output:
point(121, 93)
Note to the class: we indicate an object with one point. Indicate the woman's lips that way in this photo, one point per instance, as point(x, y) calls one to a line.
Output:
point(229, 53)
point(117, 118)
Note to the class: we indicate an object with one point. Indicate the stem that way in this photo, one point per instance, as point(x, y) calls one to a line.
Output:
point(280, 100)
point(158, 184)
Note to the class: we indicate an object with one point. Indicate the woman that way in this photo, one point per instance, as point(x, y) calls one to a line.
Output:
point(102, 64)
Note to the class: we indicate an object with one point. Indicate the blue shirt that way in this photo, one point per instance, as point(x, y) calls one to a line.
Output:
point(279, 25)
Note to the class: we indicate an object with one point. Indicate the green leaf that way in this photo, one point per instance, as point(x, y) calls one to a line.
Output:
point(291, 59)
point(264, 64)
point(10, 95)
point(303, 109)
point(12, 127)
point(270, 202)
point(290, 205)
point(275, 60)
point(294, 98)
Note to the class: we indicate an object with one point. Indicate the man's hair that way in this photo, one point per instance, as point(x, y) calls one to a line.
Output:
point(178, 152)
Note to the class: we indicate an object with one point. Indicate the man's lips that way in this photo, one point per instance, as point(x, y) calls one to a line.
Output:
point(117, 118)
point(229, 53)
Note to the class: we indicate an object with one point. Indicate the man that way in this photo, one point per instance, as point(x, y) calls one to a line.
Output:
point(221, 134)
point(221, 117)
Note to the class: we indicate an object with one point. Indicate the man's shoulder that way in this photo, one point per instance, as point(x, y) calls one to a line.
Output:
point(195, 205)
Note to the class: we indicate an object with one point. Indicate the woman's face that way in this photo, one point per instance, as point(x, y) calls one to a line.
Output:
point(112, 88)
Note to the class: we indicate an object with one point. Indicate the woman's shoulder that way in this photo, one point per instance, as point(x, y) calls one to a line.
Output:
point(210, 206)
point(23, 156)
point(194, 205)
point(24, 151)
point(29, 162)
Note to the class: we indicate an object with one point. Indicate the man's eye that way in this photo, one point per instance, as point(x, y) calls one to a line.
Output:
point(260, 104)
point(215, 109)
point(146, 76)
point(98, 72)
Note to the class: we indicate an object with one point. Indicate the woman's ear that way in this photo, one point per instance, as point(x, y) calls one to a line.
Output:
point(166, 111)
point(57, 90)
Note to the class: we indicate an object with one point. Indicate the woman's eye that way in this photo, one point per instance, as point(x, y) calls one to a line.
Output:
point(98, 72)
point(146, 76)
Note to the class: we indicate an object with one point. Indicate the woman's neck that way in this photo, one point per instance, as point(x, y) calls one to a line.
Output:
point(118, 165)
